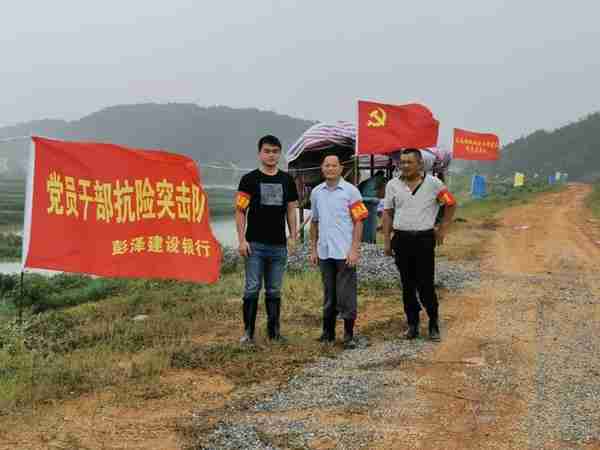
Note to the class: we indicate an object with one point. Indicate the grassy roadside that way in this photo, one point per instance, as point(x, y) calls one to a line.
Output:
point(70, 350)
point(501, 196)
point(82, 335)
point(592, 201)
point(475, 218)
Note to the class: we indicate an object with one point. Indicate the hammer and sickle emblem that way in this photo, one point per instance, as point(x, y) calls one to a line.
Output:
point(379, 117)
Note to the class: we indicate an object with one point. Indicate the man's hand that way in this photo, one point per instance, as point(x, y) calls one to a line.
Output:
point(352, 258)
point(314, 258)
point(244, 249)
point(291, 245)
point(440, 234)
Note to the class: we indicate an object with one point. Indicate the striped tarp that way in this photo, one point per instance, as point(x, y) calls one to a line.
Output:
point(322, 136)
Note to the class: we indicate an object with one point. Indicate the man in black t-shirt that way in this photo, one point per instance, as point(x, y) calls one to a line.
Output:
point(266, 198)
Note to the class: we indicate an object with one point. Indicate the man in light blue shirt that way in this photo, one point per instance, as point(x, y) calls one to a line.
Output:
point(335, 234)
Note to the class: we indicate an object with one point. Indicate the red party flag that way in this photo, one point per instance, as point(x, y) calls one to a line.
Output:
point(386, 128)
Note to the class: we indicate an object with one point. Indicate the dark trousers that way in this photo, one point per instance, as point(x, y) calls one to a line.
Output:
point(414, 254)
point(339, 292)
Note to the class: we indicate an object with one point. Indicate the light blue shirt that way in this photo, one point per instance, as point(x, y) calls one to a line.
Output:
point(331, 213)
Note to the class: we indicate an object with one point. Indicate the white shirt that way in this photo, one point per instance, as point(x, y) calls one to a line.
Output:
point(413, 212)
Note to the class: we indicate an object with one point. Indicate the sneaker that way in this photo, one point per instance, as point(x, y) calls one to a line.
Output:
point(434, 332)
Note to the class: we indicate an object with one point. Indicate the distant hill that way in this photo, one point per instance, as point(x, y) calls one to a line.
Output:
point(574, 148)
point(209, 135)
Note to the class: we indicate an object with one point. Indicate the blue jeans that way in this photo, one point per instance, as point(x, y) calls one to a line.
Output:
point(265, 262)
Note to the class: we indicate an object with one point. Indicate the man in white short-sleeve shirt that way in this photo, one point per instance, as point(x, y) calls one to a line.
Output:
point(411, 206)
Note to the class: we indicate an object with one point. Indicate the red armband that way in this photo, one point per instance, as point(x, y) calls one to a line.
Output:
point(242, 200)
point(445, 197)
point(358, 211)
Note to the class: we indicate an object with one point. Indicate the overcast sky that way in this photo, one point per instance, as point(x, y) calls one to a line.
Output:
point(509, 67)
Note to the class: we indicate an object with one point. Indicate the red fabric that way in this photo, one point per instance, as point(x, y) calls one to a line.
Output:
point(475, 146)
point(113, 211)
point(242, 201)
point(445, 197)
point(358, 211)
point(386, 128)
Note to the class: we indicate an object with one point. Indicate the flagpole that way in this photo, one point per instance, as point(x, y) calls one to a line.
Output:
point(356, 143)
point(21, 298)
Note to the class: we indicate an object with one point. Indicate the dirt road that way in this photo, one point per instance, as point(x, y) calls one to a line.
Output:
point(519, 367)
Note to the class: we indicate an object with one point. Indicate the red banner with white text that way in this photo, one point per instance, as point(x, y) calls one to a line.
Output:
point(114, 211)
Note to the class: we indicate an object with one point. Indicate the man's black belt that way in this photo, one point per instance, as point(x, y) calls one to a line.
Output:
point(414, 232)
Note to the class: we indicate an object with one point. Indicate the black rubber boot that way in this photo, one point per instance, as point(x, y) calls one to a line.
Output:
point(328, 335)
point(413, 330)
point(273, 314)
point(413, 320)
point(434, 330)
point(349, 342)
point(249, 309)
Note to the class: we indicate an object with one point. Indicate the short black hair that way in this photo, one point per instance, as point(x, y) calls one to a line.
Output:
point(270, 140)
point(413, 151)
point(328, 154)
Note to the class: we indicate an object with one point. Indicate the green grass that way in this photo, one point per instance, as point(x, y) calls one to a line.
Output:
point(592, 201)
point(12, 201)
point(10, 247)
point(77, 331)
point(501, 196)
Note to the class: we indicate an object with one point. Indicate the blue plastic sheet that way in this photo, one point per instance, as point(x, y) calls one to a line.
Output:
point(478, 187)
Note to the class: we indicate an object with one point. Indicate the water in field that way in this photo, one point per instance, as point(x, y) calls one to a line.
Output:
point(10, 267)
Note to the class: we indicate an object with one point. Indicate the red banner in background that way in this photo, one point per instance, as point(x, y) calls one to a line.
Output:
point(113, 211)
point(475, 146)
point(386, 128)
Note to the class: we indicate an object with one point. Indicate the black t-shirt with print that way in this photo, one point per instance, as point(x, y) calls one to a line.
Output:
point(269, 197)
